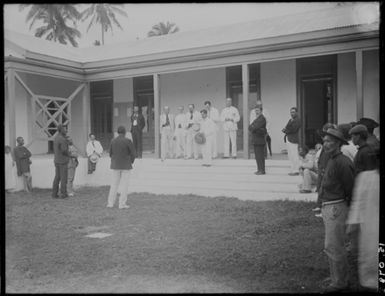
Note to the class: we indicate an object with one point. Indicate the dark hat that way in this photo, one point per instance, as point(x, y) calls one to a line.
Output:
point(368, 122)
point(358, 129)
point(325, 127)
point(344, 128)
point(336, 134)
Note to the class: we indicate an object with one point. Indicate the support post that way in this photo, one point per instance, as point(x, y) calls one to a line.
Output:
point(157, 114)
point(359, 85)
point(11, 107)
point(245, 109)
point(86, 116)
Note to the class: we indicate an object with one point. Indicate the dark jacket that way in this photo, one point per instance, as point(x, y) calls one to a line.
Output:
point(22, 160)
point(122, 153)
point(258, 130)
point(365, 159)
point(60, 149)
point(291, 130)
point(140, 120)
point(338, 181)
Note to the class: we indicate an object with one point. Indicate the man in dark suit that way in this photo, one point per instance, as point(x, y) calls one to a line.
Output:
point(61, 159)
point(122, 153)
point(137, 125)
point(258, 131)
point(291, 131)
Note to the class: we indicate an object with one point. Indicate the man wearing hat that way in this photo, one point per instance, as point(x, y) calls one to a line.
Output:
point(363, 161)
point(335, 194)
point(61, 159)
point(267, 116)
point(208, 128)
point(370, 125)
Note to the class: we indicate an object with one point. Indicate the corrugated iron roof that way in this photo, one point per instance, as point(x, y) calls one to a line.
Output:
point(326, 19)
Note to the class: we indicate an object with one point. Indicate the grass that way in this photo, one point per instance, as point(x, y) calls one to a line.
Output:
point(182, 243)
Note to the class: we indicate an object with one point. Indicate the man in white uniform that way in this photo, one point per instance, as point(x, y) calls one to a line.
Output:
point(208, 128)
point(166, 133)
point(192, 117)
point(230, 117)
point(213, 114)
point(180, 133)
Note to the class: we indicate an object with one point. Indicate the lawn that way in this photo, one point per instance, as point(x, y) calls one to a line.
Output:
point(178, 243)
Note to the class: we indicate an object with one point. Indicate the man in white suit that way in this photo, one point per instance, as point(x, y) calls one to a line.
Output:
point(230, 117)
point(192, 117)
point(166, 133)
point(180, 133)
point(213, 114)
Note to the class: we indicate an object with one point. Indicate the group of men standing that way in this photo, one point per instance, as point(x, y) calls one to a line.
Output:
point(178, 132)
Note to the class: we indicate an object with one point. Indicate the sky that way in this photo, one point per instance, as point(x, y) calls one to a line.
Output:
point(141, 17)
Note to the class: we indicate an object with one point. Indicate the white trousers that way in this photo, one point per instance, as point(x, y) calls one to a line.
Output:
point(180, 142)
point(207, 150)
point(230, 137)
point(166, 143)
point(292, 151)
point(120, 180)
point(191, 146)
point(214, 148)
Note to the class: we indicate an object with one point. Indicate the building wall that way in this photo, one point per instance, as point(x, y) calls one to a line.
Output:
point(346, 88)
point(123, 101)
point(278, 94)
point(371, 85)
point(183, 88)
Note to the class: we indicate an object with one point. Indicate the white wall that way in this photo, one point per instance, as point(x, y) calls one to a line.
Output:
point(194, 87)
point(123, 90)
point(346, 88)
point(278, 95)
point(371, 84)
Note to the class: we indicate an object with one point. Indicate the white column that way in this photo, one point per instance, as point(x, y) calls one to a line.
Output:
point(11, 107)
point(157, 114)
point(359, 85)
point(86, 115)
point(245, 109)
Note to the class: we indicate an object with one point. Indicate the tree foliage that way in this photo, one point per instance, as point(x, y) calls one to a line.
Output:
point(162, 29)
point(58, 22)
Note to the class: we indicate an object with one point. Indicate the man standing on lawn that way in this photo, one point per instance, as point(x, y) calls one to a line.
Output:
point(335, 195)
point(61, 159)
point(291, 131)
point(122, 153)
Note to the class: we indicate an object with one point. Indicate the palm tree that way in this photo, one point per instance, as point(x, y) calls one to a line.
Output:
point(163, 29)
point(103, 14)
point(55, 18)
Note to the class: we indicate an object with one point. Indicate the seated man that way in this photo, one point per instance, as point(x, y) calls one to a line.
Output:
point(308, 169)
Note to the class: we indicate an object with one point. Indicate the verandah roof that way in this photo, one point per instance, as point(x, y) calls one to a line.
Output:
point(270, 28)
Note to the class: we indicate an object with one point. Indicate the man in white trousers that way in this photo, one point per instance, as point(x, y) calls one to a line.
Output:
point(166, 134)
point(122, 153)
point(180, 133)
point(213, 114)
point(192, 117)
point(291, 131)
point(230, 117)
point(208, 128)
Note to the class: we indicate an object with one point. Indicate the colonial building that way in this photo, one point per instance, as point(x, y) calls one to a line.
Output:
point(324, 62)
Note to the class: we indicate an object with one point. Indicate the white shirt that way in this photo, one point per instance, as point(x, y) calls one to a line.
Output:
point(180, 119)
point(265, 113)
point(195, 118)
point(232, 114)
point(208, 127)
point(349, 150)
point(163, 120)
point(213, 114)
point(96, 147)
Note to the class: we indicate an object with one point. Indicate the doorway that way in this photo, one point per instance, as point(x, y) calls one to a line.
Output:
point(317, 107)
point(101, 120)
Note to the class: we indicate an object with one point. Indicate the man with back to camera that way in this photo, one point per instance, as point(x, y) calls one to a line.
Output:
point(230, 117)
point(122, 153)
point(61, 159)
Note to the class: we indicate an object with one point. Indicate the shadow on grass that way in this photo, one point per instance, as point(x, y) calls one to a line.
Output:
point(194, 243)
